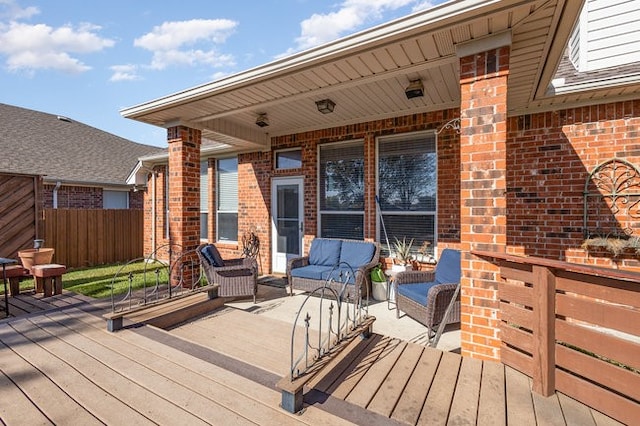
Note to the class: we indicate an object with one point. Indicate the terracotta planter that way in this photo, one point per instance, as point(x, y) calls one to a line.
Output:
point(30, 257)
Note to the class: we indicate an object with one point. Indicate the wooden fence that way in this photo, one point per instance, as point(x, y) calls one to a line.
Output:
point(573, 328)
point(20, 214)
point(93, 237)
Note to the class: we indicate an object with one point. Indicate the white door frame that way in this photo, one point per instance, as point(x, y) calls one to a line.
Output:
point(279, 260)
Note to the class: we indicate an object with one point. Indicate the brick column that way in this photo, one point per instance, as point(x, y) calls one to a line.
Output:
point(483, 108)
point(184, 188)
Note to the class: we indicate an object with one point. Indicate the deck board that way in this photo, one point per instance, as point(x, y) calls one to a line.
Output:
point(436, 407)
point(60, 366)
point(415, 393)
point(492, 406)
point(467, 393)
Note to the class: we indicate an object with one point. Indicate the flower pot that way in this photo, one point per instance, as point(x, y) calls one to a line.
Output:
point(401, 268)
point(379, 290)
point(31, 257)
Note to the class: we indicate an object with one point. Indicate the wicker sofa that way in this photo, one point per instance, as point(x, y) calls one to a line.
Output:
point(335, 261)
point(425, 295)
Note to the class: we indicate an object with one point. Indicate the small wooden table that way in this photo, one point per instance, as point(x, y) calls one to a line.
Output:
point(48, 278)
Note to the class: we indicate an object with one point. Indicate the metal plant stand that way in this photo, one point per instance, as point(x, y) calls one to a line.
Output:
point(5, 261)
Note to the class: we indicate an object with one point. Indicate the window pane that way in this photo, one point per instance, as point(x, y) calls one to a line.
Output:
point(407, 189)
point(227, 226)
point(289, 159)
point(349, 226)
point(288, 237)
point(227, 219)
point(115, 199)
point(407, 174)
point(204, 226)
point(420, 228)
point(204, 186)
point(342, 177)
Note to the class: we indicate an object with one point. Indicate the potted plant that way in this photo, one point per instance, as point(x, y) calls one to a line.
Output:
point(425, 255)
point(402, 255)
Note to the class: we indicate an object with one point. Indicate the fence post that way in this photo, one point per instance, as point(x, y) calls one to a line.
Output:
point(544, 336)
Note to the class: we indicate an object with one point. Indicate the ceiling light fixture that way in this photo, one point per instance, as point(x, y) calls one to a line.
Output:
point(325, 106)
point(415, 89)
point(262, 120)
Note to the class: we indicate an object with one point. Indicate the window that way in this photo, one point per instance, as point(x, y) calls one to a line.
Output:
point(115, 199)
point(341, 190)
point(290, 159)
point(408, 188)
point(204, 200)
point(227, 214)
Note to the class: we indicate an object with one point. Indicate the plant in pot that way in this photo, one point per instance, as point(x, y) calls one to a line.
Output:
point(425, 254)
point(402, 254)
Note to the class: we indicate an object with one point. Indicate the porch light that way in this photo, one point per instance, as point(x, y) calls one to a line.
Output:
point(325, 106)
point(262, 120)
point(414, 89)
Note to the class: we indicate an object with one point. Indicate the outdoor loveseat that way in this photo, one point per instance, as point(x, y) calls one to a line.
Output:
point(335, 261)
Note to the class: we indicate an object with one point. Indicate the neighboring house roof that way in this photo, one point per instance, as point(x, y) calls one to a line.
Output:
point(366, 74)
point(61, 149)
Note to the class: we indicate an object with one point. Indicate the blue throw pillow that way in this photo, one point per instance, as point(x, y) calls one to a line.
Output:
point(211, 253)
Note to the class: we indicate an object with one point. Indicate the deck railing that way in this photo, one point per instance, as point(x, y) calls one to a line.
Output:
point(572, 328)
point(168, 273)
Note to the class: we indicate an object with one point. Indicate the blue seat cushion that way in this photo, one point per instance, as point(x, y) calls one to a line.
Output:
point(313, 272)
point(356, 254)
point(448, 269)
point(211, 253)
point(340, 275)
point(416, 292)
point(324, 252)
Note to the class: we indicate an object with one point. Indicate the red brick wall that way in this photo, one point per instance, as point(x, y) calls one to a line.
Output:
point(84, 197)
point(483, 212)
point(159, 175)
point(550, 157)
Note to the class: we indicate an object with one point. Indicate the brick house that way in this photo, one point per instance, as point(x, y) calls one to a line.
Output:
point(81, 167)
point(477, 124)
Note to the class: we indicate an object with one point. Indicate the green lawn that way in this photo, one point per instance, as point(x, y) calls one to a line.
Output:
point(96, 281)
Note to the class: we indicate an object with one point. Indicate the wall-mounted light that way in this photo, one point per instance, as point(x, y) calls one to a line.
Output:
point(325, 106)
point(414, 89)
point(262, 120)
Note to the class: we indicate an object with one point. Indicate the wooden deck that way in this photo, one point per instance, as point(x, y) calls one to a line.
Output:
point(61, 366)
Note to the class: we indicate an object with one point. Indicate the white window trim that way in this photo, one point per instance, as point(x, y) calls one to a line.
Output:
point(218, 211)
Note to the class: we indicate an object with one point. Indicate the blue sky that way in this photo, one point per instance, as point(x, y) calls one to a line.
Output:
point(88, 59)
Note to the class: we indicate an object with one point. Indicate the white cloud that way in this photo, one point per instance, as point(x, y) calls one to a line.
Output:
point(32, 47)
point(124, 73)
point(11, 11)
point(424, 5)
point(352, 14)
point(188, 43)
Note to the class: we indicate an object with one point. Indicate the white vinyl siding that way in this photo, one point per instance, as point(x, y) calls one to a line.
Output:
point(606, 35)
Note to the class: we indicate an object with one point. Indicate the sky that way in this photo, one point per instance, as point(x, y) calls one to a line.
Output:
point(89, 59)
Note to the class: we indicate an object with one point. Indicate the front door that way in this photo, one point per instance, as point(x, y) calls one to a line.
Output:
point(287, 221)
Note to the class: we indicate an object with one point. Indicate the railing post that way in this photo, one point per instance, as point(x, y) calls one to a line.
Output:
point(544, 336)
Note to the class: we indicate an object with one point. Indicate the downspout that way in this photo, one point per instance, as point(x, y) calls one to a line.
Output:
point(55, 194)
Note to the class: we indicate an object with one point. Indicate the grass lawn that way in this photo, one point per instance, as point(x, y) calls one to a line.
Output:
point(96, 281)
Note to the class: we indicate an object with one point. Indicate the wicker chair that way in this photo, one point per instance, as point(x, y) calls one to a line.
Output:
point(425, 295)
point(236, 277)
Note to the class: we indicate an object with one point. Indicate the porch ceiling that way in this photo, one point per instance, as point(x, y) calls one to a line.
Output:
point(366, 74)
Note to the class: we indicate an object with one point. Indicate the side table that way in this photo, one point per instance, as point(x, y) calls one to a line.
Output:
point(5, 261)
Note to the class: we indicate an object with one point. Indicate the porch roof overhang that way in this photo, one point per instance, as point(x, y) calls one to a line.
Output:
point(366, 74)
